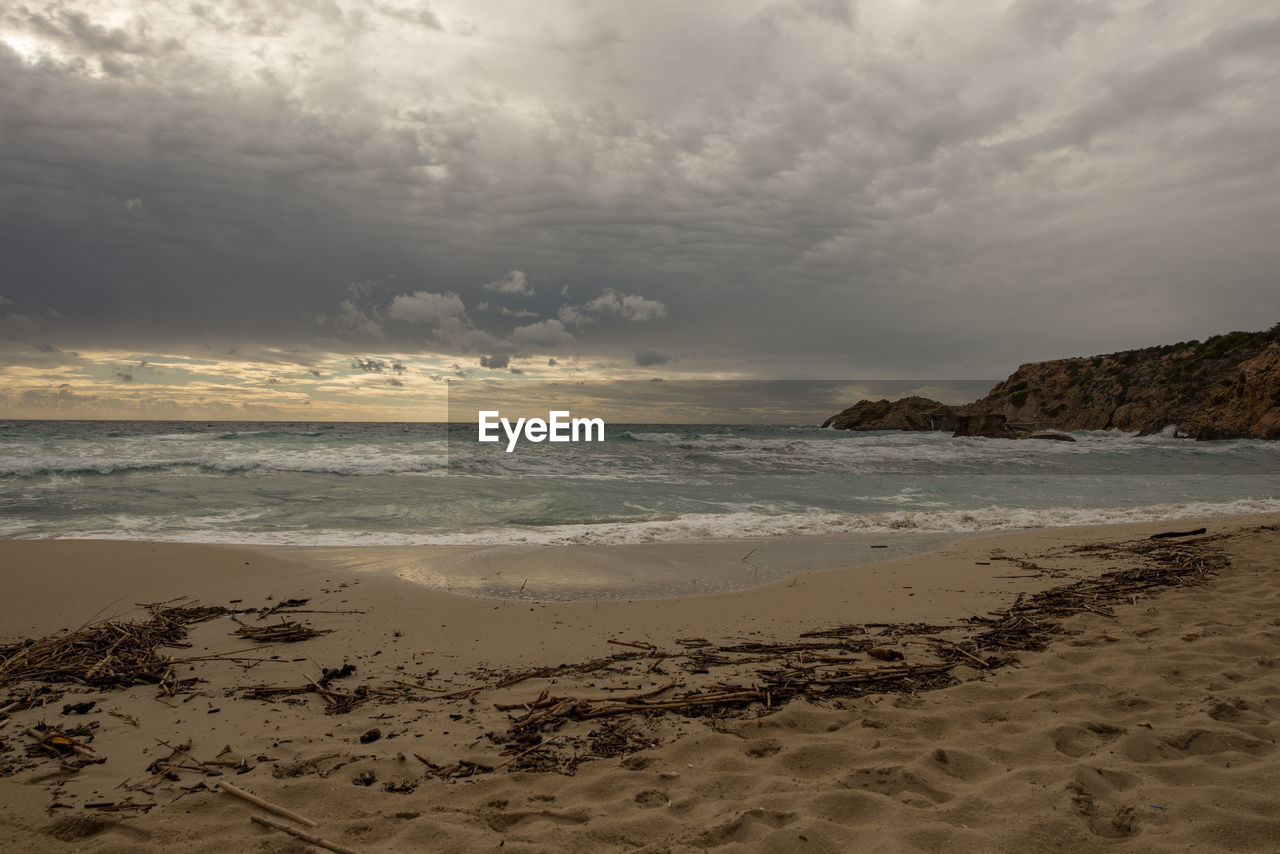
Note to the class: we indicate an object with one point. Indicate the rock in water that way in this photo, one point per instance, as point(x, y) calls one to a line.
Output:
point(909, 413)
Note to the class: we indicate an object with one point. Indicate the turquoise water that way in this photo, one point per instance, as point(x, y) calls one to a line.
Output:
point(400, 484)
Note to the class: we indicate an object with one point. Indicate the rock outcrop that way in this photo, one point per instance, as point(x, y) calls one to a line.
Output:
point(909, 413)
point(1225, 387)
point(996, 426)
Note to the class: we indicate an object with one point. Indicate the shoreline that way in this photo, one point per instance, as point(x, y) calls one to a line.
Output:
point(758, 779)
point(624, 571)
point(588, 572)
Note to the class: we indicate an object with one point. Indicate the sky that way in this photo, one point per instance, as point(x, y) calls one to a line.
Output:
point(332, 209)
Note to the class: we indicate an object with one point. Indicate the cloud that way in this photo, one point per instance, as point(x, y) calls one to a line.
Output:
point(18, 327)
point(425, 307)
point(495, 362)
point(816, 186)
point(572, 315)
point(376, 366)
point(419, 15)
point(513, 283)
point(544, 335)
point(352, 321)
point(627, 306)
point(649, 357)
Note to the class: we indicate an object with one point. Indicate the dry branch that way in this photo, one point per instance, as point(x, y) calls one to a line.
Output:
point(301, 834)
point(264, 804)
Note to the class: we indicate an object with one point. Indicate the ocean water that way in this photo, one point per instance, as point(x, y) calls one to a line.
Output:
point(405, 484)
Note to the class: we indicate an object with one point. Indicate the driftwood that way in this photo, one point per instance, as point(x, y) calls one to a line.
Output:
point(730, 678)
point(808, 667)
point(301, 834)
point(523, 753)
point(264, 804)
point(286, 631)
point(107, 654)
point(1168, 534)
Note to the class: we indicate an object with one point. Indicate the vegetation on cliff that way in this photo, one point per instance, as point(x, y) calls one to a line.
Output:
point(1224, 387)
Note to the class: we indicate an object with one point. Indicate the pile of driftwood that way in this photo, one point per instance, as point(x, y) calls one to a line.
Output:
point(1031, 622)
point(695, 678)
point(285, 631)
point(106, 654)
point(831, 663)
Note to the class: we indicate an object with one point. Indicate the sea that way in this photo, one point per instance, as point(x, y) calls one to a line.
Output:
point(401, 484)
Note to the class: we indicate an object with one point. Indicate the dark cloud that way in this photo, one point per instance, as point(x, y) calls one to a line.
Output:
point(376, 366)
point(783, 187)
point(495, 361)
point(647, 358)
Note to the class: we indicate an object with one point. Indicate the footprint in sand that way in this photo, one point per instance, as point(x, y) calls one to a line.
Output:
point(1079, 740)
point(745, 827)
point(1229, 710)
point(652, 798)
point(78, 828)
point(1146, 746)
point(1093, 795)
point(762, 748)
point(893, 781)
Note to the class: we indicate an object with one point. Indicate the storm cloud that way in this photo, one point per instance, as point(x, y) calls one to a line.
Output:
point(769, 189)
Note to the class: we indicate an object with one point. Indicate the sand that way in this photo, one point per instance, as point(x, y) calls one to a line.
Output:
point(1148, 731)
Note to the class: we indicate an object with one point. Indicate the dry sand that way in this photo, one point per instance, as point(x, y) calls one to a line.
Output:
point(1149, 731)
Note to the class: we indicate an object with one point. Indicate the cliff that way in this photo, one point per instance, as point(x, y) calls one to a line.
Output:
point(909, 413)
point(1225, 387)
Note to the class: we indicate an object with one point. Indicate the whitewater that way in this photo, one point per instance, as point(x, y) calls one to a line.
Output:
point(341, 484)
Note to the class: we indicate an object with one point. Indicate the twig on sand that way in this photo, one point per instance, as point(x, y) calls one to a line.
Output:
point(528, 750)
point(636, 644)
point(266, 805)
point(301, 834)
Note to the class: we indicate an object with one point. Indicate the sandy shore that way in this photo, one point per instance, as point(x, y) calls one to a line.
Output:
point(1150, 730)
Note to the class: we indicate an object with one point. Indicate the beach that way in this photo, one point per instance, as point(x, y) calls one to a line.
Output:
point(1145, 724)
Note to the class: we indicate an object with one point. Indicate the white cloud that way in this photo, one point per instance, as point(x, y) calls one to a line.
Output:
point(354, 321)
point(426, 307)
point(545, 335)
point(629, 306)
point(570, 315)
point(514, 282)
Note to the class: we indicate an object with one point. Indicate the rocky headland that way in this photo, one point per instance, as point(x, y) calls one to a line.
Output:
point(1225, 387)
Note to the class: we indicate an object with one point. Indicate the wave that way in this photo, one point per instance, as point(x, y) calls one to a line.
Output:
point(415, 464)
point(740, 525)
